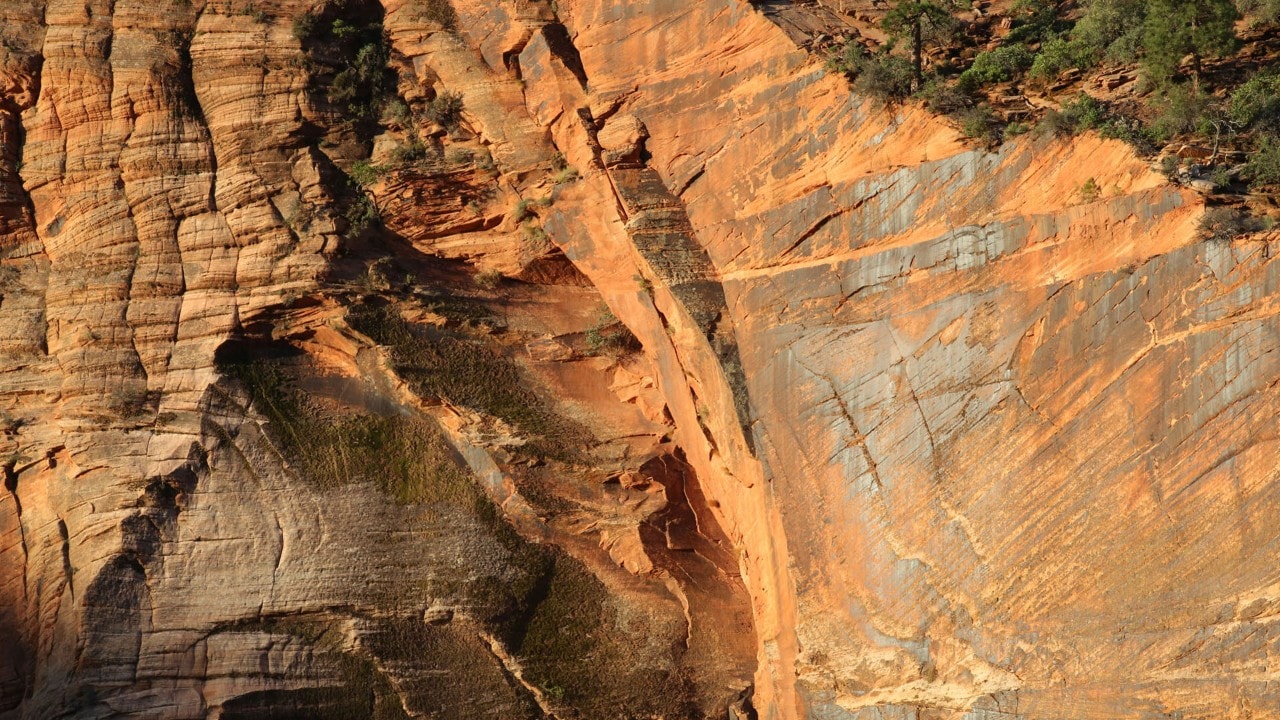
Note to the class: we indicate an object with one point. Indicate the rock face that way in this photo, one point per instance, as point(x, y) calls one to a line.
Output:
point(907, 429)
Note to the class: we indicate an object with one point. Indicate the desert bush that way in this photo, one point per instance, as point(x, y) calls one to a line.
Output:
point(608, 336)
point(365, 173)
point(1182, 109)
point(883, 76)
point(464, 372)
point(1256, 103)
point(978, 123)
point(488, 279)
point(445, 109)
point(1090, 191)
point(361, 214)
point(306, 27)
point(1260, 12)
point(1000, 65)
point(943, 98)
point(1057, 55)
point(1223, 224)
point(405, 457)
point(1263, 167)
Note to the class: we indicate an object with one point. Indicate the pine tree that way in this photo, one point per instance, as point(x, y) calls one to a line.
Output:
point(1111, 30)
point(919, 21)
point(1177, 28)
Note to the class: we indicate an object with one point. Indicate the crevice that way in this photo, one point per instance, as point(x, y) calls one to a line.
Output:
point(813, 230)
point(11, 485)
point(563, 49)
point(514, 671)
point(66, 556)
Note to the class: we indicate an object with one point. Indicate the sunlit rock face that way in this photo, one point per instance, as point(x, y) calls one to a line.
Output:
point(673, 381)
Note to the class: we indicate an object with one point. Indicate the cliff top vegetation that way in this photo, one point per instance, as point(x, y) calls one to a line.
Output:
point(1194, 84)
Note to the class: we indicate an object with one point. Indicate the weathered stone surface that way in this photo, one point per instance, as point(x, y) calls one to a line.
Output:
point(918, 430)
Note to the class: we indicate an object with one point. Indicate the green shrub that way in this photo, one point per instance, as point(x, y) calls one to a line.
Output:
point(1090, 191)
point(1223, 224)
point(1000, 65)
point(406, 457)
point(1057, 55)
point(341, 29)
point(1260, 12)
point(845, 59)
point(522, 210)
point(1082, 113)
point(439, 12)
point(347, 56)
point(445, 109)
point(1256, 103)
point(462, 371)
point(306, 27)
point(1180, 109)
point(1263, 167)
point(978, 122)
point(361, 214)
point(365, 173)
point(943, 98)
point(608, 336)
point(885, 77)
point(1086, 112)
point(564, 175)
point(411, 153)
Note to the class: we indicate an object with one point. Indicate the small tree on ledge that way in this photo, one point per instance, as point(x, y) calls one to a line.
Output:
point(921, 21)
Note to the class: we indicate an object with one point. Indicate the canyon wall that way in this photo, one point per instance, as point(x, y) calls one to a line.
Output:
point(914, 429)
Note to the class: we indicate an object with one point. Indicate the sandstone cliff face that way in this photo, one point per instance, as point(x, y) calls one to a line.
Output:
point(917, 430)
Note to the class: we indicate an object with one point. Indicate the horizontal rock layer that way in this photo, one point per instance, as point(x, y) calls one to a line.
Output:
point(920, 430)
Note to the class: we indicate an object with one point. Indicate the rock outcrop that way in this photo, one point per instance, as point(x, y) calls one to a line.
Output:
point(673, 381)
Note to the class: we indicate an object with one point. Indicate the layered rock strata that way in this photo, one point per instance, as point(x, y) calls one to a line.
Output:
point(916, 429)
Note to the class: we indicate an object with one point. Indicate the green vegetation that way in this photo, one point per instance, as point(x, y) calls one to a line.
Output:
point(405, 457)
point(572, 649)
point(1000, 65)
point(608, 336)
point(1255, 104)
point(881, 75)
point(564, 176)
point(1090, 191)
point(348, 52)
point(445, 109)
point(361, 214)
point(1260, 12)
point(1174, 72)
point(1263, 167)
point(365, 173)
point(462, 371)
point(488, 279)
point(921, 23)
point(1223, 224)
point(1177, 28)
point(366, 692)
point(979, 123)
point(439, 12)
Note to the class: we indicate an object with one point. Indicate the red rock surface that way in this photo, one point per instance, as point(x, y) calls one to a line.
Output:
point(917, 430)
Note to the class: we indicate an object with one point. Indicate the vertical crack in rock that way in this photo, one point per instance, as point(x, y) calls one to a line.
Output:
point(662, 234)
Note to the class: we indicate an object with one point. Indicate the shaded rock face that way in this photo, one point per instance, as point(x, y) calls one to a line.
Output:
point(914, 430)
